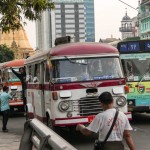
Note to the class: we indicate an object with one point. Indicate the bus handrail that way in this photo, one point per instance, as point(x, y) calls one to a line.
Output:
point(39, 136)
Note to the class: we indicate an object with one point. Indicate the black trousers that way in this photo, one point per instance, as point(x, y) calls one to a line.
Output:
point(5, 115)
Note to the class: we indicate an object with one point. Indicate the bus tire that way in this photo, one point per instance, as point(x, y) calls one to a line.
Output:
point(49, 123)
point(26, 114)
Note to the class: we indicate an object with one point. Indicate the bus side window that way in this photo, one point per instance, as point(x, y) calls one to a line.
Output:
point(29, 76)
point(47, 72)
point(36, 73)
point(5, 76)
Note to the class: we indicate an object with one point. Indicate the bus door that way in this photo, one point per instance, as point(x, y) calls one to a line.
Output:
point(47, 93)
point(37, 97)
point(34, 90)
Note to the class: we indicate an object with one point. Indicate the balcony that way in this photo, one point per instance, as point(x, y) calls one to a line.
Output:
point(126, 29)
point(145, 2)
point(145, 15)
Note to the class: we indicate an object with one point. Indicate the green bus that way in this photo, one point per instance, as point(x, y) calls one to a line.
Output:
point(135, 58)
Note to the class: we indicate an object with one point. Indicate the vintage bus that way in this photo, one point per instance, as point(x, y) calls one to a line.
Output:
point(12, 81)
point(135, 57)
point(64, 83)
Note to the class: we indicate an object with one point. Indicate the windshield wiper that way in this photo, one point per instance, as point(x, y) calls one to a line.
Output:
point(74, 62)
point(146, 71)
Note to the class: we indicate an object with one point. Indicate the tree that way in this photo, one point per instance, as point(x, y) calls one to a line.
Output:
point(5, 54)
point(12, 11)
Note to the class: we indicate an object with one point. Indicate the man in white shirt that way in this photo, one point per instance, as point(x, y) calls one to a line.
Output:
point(102, 123)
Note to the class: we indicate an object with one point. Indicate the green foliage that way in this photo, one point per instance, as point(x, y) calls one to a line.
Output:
point(5, 54)
point(11, 11)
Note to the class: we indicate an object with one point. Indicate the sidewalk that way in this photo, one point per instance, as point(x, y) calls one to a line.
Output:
point(11, 141)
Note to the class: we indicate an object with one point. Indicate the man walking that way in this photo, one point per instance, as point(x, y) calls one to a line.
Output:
point(5, 98)
point(102, 123)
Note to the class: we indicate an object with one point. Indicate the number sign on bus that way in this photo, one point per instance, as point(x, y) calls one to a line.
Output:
point(134, 46)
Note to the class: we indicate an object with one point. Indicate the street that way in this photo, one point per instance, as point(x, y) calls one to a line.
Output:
point(140, 124)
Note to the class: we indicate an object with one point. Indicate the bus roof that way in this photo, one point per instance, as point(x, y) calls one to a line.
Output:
point(14, 63)
point(74, 49)
point(82, 49)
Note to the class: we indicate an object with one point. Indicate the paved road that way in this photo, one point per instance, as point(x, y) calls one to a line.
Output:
point(11, 140)
point(141, 134)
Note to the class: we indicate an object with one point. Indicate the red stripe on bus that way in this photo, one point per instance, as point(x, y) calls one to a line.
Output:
point(12, 83)
point(77, 85)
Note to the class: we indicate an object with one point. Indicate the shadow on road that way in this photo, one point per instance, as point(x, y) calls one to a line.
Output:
point(140, 118)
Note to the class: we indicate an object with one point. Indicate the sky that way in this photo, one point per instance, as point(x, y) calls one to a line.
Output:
point(108, 16)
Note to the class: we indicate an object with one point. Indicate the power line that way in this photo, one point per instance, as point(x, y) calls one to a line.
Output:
point(128, 5)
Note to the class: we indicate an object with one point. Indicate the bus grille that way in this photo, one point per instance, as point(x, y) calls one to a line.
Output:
point(89, 106)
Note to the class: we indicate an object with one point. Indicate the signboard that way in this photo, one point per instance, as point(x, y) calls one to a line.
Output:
point(130, 47)
point(147, 46)
point(134, 46)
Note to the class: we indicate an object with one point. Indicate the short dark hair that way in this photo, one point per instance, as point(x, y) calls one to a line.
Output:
point(106, 98)
point(5, 88)
point(22, 68)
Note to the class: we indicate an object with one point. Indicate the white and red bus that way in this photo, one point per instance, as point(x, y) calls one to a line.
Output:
point(65, 83)
point(9, 79)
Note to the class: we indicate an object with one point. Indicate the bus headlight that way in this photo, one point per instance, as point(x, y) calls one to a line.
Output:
point(63, 106)
point(121, 101)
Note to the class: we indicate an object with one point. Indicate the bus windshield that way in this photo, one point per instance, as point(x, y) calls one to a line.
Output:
point(81, 69)
point(12, 76)
point(136, 69)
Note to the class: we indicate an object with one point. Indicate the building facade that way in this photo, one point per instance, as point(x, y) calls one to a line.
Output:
point(128, 27)
point(90, 21)
point(145, 19)
point(44, 28)
point(74, 18)
point(70, 19)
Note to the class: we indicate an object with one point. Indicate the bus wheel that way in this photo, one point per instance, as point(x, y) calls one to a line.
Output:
point(49, 123)
point(26, 114)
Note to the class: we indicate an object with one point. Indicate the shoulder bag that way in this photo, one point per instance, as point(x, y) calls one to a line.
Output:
point(99, 145)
